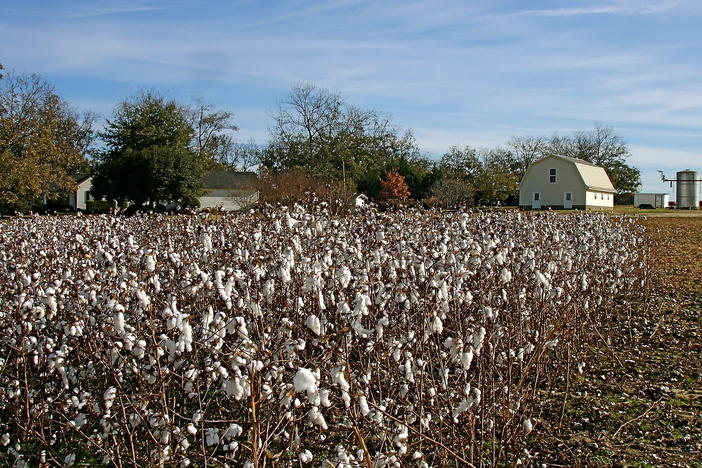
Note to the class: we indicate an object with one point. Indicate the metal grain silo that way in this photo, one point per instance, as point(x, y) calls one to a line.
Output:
point(688, 189)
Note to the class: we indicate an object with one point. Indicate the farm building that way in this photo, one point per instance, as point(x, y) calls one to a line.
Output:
point(651, 200)
point(228, 190)
point(560, 182)
point(79, 197)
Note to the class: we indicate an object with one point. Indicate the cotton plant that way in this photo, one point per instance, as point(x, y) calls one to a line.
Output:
point(285, 330)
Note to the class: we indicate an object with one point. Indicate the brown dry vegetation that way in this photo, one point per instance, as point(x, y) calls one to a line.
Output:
point(639, 402)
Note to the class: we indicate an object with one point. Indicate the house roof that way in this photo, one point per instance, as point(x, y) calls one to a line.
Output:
point(81, 177)
point(593, 176)
point(217, 179)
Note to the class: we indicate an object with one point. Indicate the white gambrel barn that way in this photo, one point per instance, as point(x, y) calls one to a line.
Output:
point(560, 182)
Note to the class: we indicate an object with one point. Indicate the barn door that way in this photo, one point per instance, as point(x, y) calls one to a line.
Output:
point(568, 200)
point(536, 201)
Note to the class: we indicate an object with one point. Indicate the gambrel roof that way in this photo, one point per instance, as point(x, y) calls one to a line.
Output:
point(593, 177)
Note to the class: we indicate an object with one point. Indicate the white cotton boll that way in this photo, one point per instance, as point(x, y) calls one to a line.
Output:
point(80, 420)
point(552, 343)
point(306, 456)
point(528, 425)
point(488, 313)
point(192, 430)
point(316, 417)
point(211, 436)
point(187, 335)
point(234, 430)
point(542, 280)
point(305, 381)
point(197, 417)
point(314, 324)
point(150, 263)
point(70, 459)
point(139, 349)
point(505, 275)
point(118, 321)
point(363, 405)
point(324, 398)
point(477, 394)
point(477, 339)
point(343, 274)
point(436, 325)
point(109, 397)
point(467, 359)
point(5, 439)
point(581, 367)
point(339, 378)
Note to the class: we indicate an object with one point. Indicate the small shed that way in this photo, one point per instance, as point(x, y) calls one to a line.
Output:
point(228, 190)
point(651, 200)
point(561, 182)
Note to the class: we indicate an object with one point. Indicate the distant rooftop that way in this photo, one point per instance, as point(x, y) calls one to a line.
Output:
point(218, 179)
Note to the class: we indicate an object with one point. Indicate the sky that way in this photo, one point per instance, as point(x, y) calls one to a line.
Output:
point(454, 72)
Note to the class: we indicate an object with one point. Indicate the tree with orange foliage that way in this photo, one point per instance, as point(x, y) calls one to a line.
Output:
point(394, 187)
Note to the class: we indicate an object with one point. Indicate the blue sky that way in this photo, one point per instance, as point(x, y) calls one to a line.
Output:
point(465, 72)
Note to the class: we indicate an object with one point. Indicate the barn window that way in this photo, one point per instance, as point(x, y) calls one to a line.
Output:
point(552, 175)
point(87, 196)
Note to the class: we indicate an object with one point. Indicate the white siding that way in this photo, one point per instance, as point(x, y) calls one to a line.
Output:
point(537, 179)
point(227, 201)
point(600, 200)
point(78, 198)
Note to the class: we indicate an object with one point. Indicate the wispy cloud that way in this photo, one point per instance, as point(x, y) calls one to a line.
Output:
point(456, 72)
point(618, 8)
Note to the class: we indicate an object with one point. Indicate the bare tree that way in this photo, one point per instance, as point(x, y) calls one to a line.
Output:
point(526, 150)
point(212, 131)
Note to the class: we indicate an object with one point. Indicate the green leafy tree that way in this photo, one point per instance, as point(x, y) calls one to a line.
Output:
point(43, 142)
point(149, 156)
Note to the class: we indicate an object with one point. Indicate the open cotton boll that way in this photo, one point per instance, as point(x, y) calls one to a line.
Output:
point(109, 397)
point(528, 425)
point(305, 381)
point(437, 325)
point(316, 417)
point(343, 275)
point(211, 436)
point(305, 456)
point(505, 275)
point(467, 359)
point(118, 320)
point(150, 263)
point(551, 344)
point(314, 324)
point(363, 405)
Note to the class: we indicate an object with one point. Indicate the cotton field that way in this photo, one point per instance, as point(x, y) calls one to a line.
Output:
point(298, 338)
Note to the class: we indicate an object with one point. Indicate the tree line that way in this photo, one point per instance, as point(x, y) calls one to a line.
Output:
point(154, 149)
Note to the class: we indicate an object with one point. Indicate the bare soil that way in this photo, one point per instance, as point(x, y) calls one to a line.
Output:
point(639, 401)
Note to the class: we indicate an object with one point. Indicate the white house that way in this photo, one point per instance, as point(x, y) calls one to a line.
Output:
point(228, 190)
point(80, 197)
point(560, 182)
